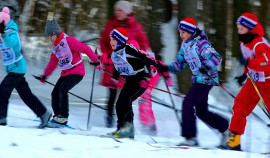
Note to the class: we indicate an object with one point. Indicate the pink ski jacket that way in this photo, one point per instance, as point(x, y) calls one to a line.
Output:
point(76, 47)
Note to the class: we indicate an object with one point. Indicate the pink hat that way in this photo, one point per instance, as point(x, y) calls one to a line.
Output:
point(4, 15)
point(188, 24)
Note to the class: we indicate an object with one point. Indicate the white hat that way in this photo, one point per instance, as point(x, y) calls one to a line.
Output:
point(126, 6)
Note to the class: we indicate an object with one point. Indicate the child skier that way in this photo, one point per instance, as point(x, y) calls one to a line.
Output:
point(66, 54)
point(203, 60)
point(134, 66)
point(255, 57)
point(122, 16)
point(15, 68)
point(146, 114)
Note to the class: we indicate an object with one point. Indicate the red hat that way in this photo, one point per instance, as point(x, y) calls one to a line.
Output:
point(188, 24)
point(120, 35)
point(250, 21)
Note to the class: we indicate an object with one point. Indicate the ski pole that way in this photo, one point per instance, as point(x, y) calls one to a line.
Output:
point(38, 78)
point(181, 96)
point(234, 96)
point(173, 104)
point(149, 85)
point(219, 85)
point(159, 102)
point(91, 96)
point(259, 94)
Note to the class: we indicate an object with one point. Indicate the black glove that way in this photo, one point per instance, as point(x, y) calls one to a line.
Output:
point(95, 63)
point(2, 26)
point(204, 69)
point(162, 67)
point(243, 61)
point(241, 79)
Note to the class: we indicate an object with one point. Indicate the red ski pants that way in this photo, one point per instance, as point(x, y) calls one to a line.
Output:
point(245, 102)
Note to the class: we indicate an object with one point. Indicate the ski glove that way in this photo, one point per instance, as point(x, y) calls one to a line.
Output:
point(113, 83)
point(169, 81)
point(105, 59)
point(241, 79)
point(99, 68)
point(243, 61)
point(97, 65)
point(204, 69)
point(161, 67)
point(42, 78)
point(144, 84)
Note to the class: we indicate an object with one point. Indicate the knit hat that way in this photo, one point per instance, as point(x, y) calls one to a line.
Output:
point(52, 28)
point(126, 6)
point(120, 35)
point(4, 15)
point(248, 20)
point(188, 24)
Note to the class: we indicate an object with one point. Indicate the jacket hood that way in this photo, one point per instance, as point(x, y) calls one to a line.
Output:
point(258, 29)
point(131, 20)
point(12, 25)
point(199, 34)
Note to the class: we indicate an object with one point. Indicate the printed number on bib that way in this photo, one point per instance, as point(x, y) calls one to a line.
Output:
point(63, 62)
point(122, 70)
point(257, 76)
point(193, 65)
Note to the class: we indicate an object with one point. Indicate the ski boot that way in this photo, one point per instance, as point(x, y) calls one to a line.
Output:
point(224, 138)
point(189, 142)
point(111, 134)
point(44, 119)
point(127, 131)
point(60, 120)
point(234, 142)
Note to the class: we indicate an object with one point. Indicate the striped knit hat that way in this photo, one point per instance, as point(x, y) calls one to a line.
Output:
point(248, 20)
point(120, 35)
point(188, 24)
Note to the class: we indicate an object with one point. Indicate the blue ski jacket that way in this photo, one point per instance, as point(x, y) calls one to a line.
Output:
point(12, 40)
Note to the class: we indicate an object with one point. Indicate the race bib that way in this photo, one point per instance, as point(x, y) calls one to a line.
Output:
point(64, 54)
point(120, 63)
point(257, 76)
point(9, 55)
point(192, 59)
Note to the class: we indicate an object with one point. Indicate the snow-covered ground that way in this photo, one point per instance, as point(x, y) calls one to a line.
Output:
point(22, 139)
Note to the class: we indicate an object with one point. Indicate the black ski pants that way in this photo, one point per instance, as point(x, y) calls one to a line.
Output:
point(112, 98)
point(17, 81)
point(59, 94)
point(130, 92)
